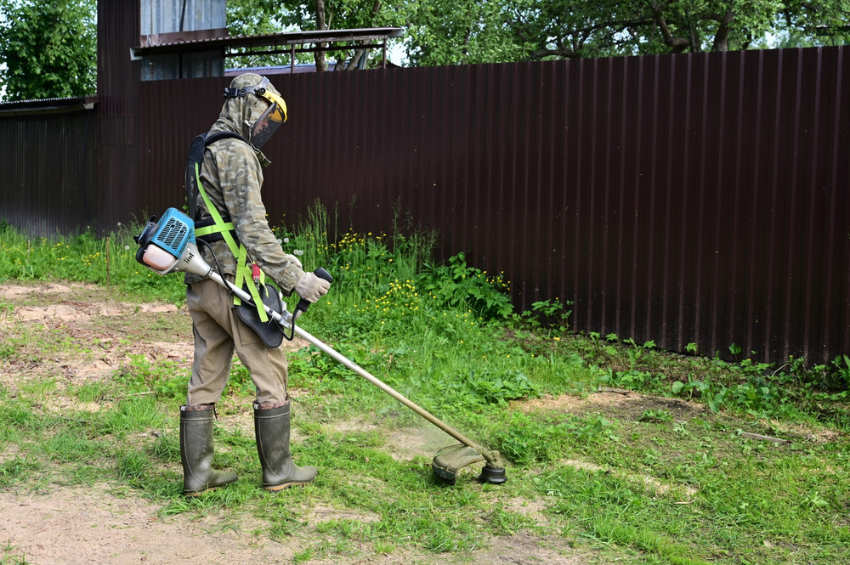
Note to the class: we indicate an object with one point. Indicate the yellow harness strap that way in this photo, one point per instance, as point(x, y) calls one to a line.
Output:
point(243, 276)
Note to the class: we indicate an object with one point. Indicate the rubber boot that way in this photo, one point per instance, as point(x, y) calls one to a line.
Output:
point(279, 471)
point(196, 452)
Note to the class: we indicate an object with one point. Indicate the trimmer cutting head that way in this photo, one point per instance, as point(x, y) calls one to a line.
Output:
point(450, 460)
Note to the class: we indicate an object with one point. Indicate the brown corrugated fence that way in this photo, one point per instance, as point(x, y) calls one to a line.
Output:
point(683, 198)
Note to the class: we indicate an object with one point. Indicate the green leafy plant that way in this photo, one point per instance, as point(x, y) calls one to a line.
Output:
point(656, 416)
point(456, 284)
point(163, 379)
point(550, 313)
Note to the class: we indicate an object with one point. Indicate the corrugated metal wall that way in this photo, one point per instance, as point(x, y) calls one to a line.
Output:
point(166, 16)
point(48, 165)
point(686, 198)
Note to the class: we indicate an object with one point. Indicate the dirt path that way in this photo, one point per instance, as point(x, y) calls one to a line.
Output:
point(90, 525)
point(76, 525)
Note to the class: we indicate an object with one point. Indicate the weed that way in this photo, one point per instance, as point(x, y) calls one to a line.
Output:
point(459, 285)
point(69, 446)
point(16, 469)
point(163, 379)
point(91, 392)
point(166, 447)
point(526, 439)
point(132, 466)
point(656, 416)
point(551, 314)
point(10, 556)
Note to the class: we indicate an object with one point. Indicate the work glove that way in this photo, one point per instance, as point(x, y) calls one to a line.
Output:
point(311, 288)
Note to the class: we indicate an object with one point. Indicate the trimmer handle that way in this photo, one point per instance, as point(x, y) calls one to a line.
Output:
point(322, 274)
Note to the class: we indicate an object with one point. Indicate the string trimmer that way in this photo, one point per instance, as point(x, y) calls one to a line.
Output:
point(168, 245)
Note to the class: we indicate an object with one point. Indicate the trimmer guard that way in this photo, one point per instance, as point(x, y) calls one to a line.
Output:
point(269, 332)
point(450, 460)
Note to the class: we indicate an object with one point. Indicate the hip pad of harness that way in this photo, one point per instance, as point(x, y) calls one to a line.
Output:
point(269, 332)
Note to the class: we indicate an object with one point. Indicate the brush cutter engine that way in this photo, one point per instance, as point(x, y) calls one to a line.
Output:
point(168, 244)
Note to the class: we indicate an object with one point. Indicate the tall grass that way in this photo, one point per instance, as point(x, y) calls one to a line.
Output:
point(86, 258)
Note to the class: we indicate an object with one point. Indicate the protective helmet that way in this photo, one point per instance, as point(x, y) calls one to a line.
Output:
point(263, 110)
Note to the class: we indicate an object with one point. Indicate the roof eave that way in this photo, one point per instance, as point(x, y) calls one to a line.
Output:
point(285, 38)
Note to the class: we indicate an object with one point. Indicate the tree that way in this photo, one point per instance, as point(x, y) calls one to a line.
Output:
point(443, 32)
point(256, 16)
point(49, 48)
point(584, 28)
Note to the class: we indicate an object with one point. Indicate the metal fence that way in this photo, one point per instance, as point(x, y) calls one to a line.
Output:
point(684, 199)
point(48, 167)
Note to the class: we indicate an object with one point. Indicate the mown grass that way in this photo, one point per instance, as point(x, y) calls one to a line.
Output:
point(659, 481)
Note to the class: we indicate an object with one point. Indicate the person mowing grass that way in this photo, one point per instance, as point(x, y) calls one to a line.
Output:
point(223, 181)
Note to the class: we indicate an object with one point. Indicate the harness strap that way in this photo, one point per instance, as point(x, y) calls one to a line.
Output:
point(239, 251)
point(207, 230)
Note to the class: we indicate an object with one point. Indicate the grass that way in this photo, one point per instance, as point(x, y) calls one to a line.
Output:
point(670, 477)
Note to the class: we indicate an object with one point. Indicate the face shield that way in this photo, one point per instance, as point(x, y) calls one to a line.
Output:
point(270, 119)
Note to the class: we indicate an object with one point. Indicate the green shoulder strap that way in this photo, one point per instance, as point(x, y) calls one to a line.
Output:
point(239, 252)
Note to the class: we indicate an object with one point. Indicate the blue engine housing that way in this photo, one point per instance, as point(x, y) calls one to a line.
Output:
point(171, 233)
point(175, 229)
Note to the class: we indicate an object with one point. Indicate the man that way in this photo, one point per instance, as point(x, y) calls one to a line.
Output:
point(224, 196)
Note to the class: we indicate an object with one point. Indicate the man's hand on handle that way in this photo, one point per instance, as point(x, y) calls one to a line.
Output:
point(310, 287)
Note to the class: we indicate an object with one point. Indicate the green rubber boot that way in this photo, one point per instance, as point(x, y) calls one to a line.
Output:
point(272, 430)
point(196, 452)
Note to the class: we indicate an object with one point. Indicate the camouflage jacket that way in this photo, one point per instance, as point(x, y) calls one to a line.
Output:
point(232, 176)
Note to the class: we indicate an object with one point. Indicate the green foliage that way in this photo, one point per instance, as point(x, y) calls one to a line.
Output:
point(655, 416)
point(458, 285)
point(480, 387)
point(519, 30)
point(550, 314)
point(164, 379)
point(132, 466)
point(49, 48)
point(476, 32)
point(554, 28)
point(86, 258)
point(16, 469)
point(526, 439)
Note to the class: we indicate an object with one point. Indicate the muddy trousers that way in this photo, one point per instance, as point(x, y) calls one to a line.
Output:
point(218, 332)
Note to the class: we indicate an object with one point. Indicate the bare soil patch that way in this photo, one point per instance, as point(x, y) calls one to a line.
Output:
point(523, 549)
point(75, 311)
point(15, 291)
point(623, 403)
point(77, 525)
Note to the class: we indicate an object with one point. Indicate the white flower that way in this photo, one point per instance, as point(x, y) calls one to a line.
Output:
point(118, 224)
point(286, 240)
point(126, 248)
point(299, 252)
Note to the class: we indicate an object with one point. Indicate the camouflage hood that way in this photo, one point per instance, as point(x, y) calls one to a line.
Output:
point(239, 114)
